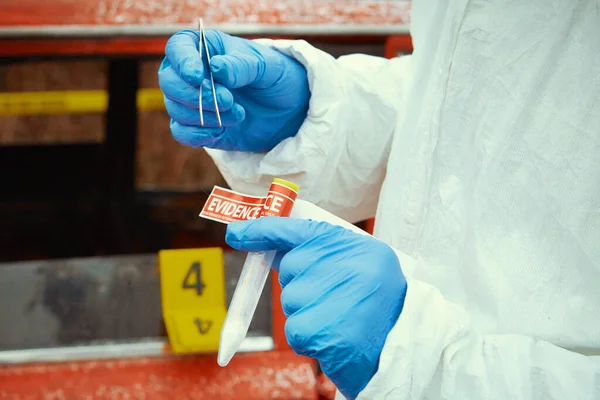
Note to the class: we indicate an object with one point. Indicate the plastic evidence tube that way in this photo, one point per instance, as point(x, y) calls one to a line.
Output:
point(279, 202)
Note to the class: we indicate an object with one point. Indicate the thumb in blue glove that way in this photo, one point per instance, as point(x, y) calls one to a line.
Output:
point(342, 293)
point(262, 94)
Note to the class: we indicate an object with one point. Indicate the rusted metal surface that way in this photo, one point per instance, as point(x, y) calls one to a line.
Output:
point(398, 45)
point(272, 375)
point(46, 304)
point(326, 388)
point(161, 12)
point(278, 317)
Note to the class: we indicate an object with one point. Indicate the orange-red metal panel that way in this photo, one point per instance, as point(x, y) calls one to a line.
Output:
point(280, 375)
point(278, 317)
point(165, 12)
point(369, 225)
point(326, 388)
point(82, 47)
point(398, 44)
point(152, 46)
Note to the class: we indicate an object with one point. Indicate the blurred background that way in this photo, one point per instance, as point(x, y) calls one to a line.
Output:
point(93, 186)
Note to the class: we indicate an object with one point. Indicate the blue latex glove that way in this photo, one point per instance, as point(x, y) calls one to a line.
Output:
point(262, 94)
point(342, 292)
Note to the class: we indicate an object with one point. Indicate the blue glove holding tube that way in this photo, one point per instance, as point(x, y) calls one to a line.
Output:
point(262, 94)
point(342, 292)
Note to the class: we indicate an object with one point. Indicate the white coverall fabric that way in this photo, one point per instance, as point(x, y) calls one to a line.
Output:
point(481, 155)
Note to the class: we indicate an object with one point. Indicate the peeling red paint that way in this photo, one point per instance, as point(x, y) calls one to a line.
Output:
point(270, 375)
point(326, 388)
point(117, 12)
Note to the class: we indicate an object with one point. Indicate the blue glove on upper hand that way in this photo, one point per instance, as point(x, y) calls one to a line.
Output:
point(342, 292)
point(262, 94)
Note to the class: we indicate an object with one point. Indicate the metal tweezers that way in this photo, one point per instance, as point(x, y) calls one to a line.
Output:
point(203, 45)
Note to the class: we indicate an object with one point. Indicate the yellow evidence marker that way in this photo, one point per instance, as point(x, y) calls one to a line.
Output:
point(192, 286)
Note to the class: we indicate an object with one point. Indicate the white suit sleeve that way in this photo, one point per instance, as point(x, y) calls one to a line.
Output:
point(338, 158)
point(433, 338)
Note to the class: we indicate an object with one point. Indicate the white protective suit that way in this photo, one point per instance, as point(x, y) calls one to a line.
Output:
point(480, 154)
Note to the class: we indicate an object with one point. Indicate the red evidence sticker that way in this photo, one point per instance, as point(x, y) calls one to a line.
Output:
point(279, 201)
point(227, 206)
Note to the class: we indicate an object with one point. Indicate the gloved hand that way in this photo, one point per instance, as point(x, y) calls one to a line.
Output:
point(342, 292)
point(262, 94)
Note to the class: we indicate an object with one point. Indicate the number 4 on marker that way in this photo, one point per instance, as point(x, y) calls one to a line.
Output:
point(195, 277)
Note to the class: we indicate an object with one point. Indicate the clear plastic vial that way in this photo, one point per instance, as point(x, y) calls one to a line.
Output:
point(279, 202)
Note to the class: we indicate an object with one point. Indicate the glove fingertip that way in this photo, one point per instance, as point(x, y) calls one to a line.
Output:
point(183, 136)
point(222, 71)
point(239, 113)
point(177, 131)
point(225, 99)
point(235, 233)
point(164, 64)
point(217, 63)
point(192, 72)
